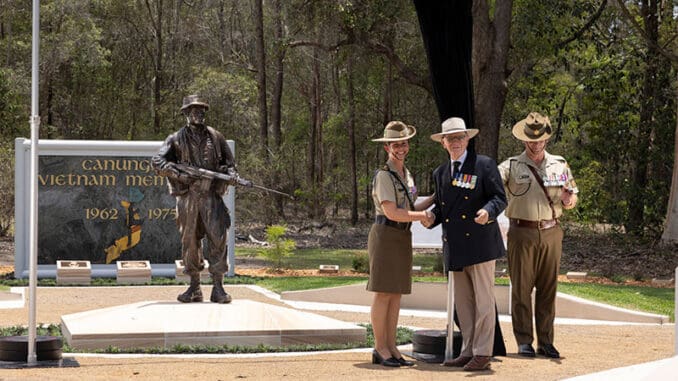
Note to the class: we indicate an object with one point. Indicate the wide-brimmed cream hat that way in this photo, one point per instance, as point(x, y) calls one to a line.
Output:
point(453, 126)
point(396, 131)
point(535, 128)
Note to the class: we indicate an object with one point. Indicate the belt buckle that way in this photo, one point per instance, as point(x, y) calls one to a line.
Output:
point(546, 224)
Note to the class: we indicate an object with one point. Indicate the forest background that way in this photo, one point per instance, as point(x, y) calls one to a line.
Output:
point(302, 86)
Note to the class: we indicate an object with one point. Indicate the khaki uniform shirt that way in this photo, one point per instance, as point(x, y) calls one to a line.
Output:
point(386, 187)
point(526, 199)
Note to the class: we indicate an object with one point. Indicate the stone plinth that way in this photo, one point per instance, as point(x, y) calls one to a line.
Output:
point(133, 272)
point(179, 271)
point(165, 324)
point(576, 275)
point(329, 269)
point(74, 272)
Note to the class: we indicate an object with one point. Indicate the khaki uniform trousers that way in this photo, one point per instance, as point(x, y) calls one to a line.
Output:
point(475, 305)
point(534, 262)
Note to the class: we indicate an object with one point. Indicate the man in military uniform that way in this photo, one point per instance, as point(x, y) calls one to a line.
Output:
point(539, 186)
point(200, 208)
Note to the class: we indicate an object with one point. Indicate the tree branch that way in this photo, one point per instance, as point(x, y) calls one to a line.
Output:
point(594, 17)
point(628, 17)
point(377, 47)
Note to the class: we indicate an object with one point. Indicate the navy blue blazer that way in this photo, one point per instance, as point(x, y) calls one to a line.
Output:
point(465, 242)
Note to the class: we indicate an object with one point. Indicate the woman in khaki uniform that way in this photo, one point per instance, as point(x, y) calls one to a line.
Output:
point(390, 241)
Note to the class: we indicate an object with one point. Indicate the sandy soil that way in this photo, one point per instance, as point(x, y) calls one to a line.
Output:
point(585, 349)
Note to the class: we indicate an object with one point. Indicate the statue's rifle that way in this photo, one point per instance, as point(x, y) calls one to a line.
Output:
point(198, 172)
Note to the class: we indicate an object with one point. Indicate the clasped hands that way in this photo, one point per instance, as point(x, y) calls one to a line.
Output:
point(429, 218)
point(482, 217)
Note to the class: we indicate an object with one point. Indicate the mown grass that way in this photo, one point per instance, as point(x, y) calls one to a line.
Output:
point(649, 299)
point(280, 284)
point(313, 258)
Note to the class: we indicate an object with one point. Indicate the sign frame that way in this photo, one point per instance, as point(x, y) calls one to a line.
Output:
point(93, 148)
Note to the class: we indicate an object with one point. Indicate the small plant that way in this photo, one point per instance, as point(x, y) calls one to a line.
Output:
point(279, 247)
point(361, 263)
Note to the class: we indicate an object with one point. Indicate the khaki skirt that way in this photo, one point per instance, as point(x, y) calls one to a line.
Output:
point(390, 252)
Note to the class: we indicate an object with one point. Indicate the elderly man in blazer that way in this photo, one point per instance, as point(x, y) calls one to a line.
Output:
point(469, 195)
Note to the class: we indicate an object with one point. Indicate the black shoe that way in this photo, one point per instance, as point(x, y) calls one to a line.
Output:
point(526, 350)
point(548, 350)
point(404, 362)
point(391, 361)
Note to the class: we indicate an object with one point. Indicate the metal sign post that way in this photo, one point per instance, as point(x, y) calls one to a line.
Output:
point(35, 128)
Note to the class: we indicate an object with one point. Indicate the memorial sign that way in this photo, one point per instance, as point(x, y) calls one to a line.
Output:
point(104, 209)
point(98, 201)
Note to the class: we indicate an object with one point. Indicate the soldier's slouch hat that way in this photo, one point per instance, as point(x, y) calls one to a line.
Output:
point(535, 128)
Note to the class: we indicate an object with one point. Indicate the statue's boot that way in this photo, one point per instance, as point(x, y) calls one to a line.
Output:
point(218, 293)
point(193, 294)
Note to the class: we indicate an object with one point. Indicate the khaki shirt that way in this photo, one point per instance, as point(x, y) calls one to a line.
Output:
point(526, 199)
point(385, 187)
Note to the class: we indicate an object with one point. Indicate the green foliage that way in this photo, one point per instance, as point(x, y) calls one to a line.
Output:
point(119, 69)
point(42, 330)
point(403, 336)
point(361, 263)
point(279, 247)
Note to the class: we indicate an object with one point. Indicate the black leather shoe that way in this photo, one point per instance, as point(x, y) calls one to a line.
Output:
point(548, 350)
point(526, 350)
point(404, 362)
point(391, 361)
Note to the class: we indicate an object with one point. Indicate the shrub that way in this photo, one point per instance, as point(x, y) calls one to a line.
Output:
point(279, 247)
point(361, 263)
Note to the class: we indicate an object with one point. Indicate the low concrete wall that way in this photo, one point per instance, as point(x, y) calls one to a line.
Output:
point(433, 296)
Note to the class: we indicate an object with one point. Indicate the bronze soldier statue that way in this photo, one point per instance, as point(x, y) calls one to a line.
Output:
point(200, 208)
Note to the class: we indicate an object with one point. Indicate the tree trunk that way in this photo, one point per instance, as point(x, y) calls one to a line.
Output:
point(351, 143)
point(276, 100)
point(318, 157)
point(158, 63)
point(490, 73)
point(636, 217)
point(261, 78)
point(670, 234)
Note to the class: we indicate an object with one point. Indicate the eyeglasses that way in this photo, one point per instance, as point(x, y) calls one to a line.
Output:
point(453, 137)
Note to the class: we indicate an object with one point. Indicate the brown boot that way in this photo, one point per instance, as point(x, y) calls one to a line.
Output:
point(458, 362)
point(218, 293)
point(478, 363)
point(193, 294)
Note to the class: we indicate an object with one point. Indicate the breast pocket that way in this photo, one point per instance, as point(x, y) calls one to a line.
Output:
point(520, 181)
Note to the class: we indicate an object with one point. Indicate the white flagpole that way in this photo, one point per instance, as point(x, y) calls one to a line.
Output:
point(449, 344)
point(35, 127)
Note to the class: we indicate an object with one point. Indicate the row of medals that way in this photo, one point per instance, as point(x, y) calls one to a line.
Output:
point(469, 181)
point(555, 180)
point(465, 181)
